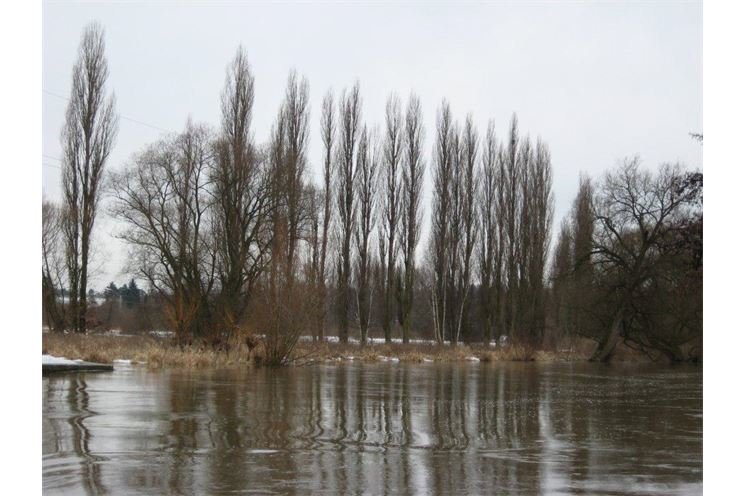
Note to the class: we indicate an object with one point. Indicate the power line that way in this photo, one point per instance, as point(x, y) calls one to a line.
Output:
point(130, 119)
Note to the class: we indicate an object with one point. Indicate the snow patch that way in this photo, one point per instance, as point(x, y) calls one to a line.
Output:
point(53, 360)
point(388, 359)
point(162, 334)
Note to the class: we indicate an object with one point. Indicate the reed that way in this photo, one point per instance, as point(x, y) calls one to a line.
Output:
point(163, 352)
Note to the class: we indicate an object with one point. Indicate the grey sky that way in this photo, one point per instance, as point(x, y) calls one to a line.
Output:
point(597, 81)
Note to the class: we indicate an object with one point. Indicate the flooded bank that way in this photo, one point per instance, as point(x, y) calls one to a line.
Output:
point(375, 428)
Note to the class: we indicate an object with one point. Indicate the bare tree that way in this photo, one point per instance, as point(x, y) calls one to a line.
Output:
point(296, 108)
point(163, 199)
point(294, 219)
point(366, 184)
point(312, 267)
point(538, 204)
point(242, 197)
point(350, 109)
point(390, 209)
point(562, 277)
point(582, 229)
point(287, 161)
point(469, 187)
point(411, 221)
point(328, 134)
point(489, 236)
point(52, 267)
point(574, 297)
point(441, 202)
point(454, 241)
point(511, 211)
point(87, 139)
point(631, 210)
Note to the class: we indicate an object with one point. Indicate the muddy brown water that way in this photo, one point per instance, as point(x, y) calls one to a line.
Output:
point(512, 428)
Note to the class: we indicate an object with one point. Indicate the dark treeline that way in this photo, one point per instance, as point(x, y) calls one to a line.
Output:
point(233, 237)
point(628, 264)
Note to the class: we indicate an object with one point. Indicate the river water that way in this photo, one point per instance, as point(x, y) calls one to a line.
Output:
point(510, 428)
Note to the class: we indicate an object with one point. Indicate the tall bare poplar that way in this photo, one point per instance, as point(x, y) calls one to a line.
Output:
point(411, 220)
point(242, 193)
point(511, 200)
point(454, 242)
point(393, 147)
point(296, 108)
point(350, 109)
point(540, 204)
point(469, 187)
point(328, 135)
point(489, 236)
point(441, 206)
point(562, 277)
point(582, 229)
point(87, 139)
point(366, 184)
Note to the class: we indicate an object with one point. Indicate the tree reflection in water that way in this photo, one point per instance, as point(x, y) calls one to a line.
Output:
point(377, 428)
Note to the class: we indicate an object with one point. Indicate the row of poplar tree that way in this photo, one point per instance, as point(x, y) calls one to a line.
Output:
point(236, 237)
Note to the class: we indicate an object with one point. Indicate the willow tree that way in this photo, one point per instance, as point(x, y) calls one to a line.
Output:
point(164, 202)
point(52, 269)
point(633, 210)
point(87, 138)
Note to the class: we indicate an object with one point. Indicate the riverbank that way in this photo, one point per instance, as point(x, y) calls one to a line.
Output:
point(158, 352)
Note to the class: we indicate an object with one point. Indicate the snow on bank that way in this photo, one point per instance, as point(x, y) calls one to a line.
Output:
point(382, 358)
point(335, 339)
point(53, 360)
point(503, 341)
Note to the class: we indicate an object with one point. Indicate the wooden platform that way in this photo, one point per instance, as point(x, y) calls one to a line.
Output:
point(47, 368)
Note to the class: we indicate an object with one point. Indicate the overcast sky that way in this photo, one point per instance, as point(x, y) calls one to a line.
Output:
point(596, 81)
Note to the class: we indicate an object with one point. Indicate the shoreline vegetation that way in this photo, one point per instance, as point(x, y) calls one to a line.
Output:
point(163, 352)
point(233, 233)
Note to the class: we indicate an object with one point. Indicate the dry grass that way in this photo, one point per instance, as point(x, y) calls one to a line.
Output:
point(154, 352)
point(158, 353)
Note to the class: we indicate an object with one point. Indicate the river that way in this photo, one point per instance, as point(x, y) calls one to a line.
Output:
point(505, 428)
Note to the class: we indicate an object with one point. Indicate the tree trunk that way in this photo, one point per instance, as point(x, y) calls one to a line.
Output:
point(608, 345)
point(83, 284)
